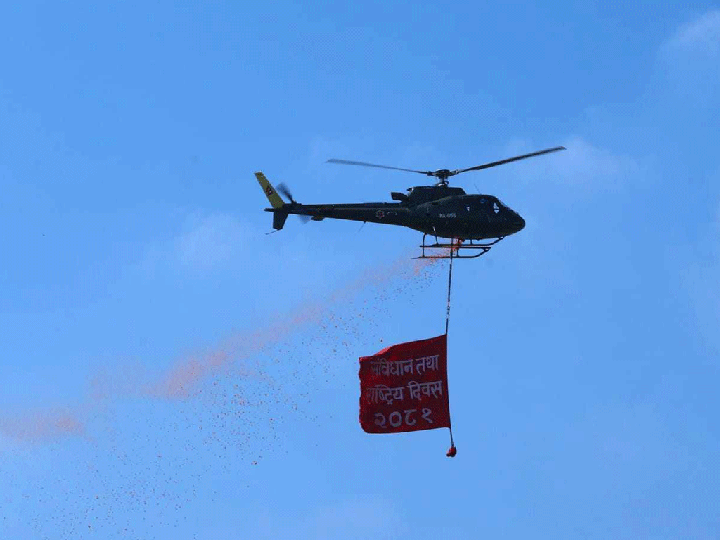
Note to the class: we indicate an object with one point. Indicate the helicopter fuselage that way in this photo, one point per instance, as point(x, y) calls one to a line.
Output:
point(453, 215)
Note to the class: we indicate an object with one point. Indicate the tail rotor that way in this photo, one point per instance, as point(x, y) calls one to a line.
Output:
point(284, 190)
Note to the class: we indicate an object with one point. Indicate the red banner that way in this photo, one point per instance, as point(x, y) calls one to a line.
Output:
point(404, 387)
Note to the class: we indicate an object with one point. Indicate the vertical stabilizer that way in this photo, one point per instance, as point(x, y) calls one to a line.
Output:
point(270, 192)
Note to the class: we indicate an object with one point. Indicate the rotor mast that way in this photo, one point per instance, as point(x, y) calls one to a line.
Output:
point(442, 175)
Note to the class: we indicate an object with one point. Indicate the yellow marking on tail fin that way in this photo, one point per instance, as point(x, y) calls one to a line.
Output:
point(270, 192)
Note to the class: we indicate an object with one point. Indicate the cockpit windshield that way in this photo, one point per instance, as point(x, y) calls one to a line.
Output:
point(501, 205)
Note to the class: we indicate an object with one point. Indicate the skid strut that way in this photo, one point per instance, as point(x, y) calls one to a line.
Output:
point(454, 248)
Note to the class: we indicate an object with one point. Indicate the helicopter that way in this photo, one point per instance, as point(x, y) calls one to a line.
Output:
point(438, 210)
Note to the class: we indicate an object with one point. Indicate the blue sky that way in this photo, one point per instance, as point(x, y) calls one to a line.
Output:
point(583, 352)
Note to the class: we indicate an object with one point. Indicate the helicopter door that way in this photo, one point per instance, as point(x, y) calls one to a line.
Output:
point(485, 210)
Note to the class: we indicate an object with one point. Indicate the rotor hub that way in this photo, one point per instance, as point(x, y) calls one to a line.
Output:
point(442, 175)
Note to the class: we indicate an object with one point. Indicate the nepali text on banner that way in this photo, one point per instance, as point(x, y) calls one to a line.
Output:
point(404, 387)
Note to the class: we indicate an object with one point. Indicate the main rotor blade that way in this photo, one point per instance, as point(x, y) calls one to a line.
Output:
point(363, 164)
point(509, 160)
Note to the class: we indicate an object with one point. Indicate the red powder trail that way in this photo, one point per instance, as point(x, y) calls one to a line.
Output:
point(182, 380)
point(42, 425)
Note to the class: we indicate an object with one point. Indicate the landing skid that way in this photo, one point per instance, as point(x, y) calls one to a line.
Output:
point(455, 247)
